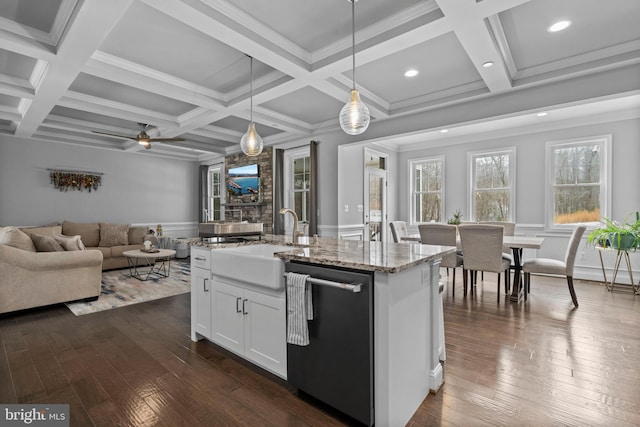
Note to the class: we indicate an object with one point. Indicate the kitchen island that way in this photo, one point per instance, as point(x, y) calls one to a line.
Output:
point(407, 316)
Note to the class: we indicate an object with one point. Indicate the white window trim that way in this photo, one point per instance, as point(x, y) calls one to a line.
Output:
point(411, 163)
point(511, 151)
point(605, 177)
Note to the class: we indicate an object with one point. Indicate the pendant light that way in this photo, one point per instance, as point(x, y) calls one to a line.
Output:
point(354, 116)
point(251, 143)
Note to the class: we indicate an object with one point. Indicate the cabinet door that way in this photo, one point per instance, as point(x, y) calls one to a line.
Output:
point(227, 320)
point(200, 303)
point(265, 332)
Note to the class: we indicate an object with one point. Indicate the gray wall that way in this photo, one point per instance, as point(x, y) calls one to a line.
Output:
point(530, 169)
point(136, 188)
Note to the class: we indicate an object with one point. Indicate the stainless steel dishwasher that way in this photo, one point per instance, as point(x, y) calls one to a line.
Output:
point(337, 365)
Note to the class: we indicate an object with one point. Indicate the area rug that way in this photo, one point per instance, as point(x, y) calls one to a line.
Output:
point(120, 289)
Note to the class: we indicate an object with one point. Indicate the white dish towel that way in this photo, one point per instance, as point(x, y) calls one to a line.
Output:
point(299, 308)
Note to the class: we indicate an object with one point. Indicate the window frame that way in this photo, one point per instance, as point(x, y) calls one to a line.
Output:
point(471, 162)
point(219, 168)
point(412, 190)
point(289, 188)
point(605, 142)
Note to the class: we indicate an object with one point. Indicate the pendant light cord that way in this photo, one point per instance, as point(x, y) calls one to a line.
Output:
point(353, 42)
point(251, 86)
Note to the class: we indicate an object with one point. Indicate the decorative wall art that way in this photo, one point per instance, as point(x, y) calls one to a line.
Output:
point(65, 180)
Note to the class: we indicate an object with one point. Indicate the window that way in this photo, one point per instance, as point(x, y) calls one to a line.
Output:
point(215, 186)
point(492, 184)
point(301, 187)
point(427, 189)
point(577, 174)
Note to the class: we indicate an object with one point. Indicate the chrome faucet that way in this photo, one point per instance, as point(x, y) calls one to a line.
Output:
point(296, 233)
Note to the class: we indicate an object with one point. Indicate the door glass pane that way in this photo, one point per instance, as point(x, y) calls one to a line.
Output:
point(375, 207)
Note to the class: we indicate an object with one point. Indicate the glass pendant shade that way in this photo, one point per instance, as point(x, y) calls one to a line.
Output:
point(354, 116)
point(251, 143)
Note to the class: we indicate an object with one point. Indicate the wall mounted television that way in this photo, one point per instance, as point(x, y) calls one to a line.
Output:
point(244, 180)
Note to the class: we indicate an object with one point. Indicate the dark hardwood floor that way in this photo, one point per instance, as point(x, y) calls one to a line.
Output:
point(539, 363)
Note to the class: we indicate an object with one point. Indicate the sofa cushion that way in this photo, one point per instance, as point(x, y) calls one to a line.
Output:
point(106, 251)
point(13, 236)
point(89, 232)
point(113, 234)
point(46, 243)
point(136, 233)
point(70, 243)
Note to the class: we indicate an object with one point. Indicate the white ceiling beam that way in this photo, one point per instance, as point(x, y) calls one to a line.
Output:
point(93, 22)
point(469, 26)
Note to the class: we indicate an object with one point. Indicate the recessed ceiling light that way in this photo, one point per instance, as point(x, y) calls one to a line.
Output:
point(444, 131)
point(542, 114)
point(488, 64)
point(411, 73)
point(559, 26)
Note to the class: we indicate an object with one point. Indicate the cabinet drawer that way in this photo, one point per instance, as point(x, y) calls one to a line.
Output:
point(201, 257)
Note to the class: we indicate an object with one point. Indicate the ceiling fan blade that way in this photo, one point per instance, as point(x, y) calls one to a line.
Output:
point(166, 139)
point(114, 134)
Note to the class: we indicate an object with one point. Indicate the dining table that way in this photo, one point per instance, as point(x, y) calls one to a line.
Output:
point(517, 244)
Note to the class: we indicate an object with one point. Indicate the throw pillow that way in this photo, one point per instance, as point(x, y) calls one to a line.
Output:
point(113, 234)
point(46, 243)
point(43, 230)
point(70, 243)
point(89, 232)
point(13, 236)
point(136, 233)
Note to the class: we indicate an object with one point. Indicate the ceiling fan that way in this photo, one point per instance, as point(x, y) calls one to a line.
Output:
point(142, 137)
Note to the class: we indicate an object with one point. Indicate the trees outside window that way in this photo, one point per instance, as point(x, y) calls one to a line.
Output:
point(427, 189)
point(493, 181)
point(576, 180)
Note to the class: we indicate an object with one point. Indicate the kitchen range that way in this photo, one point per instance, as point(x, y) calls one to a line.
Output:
point(365, 335)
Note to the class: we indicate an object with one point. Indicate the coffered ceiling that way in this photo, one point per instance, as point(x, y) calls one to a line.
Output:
point(68, 67)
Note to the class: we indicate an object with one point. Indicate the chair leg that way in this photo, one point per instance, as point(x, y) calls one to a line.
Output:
point(499, 287)
point(507, 282)
point(464, 281)
point(572, 291)
point(453, 282)
point(527, 284)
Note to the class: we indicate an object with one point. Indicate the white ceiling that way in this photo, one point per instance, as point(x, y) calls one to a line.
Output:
point(68, 67)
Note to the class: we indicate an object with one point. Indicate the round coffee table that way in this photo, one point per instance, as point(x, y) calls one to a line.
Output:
point(158, 263)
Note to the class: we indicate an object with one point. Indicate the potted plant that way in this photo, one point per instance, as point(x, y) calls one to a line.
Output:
point(456, 218)
point(624, 236)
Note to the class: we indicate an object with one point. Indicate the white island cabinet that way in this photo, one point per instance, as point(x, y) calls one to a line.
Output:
point(200, 293)
point(251, 324)
point(244, 318)
point(247, 311)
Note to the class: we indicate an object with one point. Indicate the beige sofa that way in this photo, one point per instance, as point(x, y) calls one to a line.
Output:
point(36, 270)
point(32, 279)
point(110, 239)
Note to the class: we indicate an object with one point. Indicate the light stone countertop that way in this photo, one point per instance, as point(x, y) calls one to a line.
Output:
point(386, 257)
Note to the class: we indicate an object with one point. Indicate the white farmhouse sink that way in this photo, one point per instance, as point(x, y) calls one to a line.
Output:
point(252, 264)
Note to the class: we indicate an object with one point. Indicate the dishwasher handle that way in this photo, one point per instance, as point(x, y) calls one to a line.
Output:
point(353, 287)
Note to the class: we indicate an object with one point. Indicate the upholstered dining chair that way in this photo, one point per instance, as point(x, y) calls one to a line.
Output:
point(509, 230)
point(445, 235)
point(482, 251)
point(398, 230)
point(556, 267)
